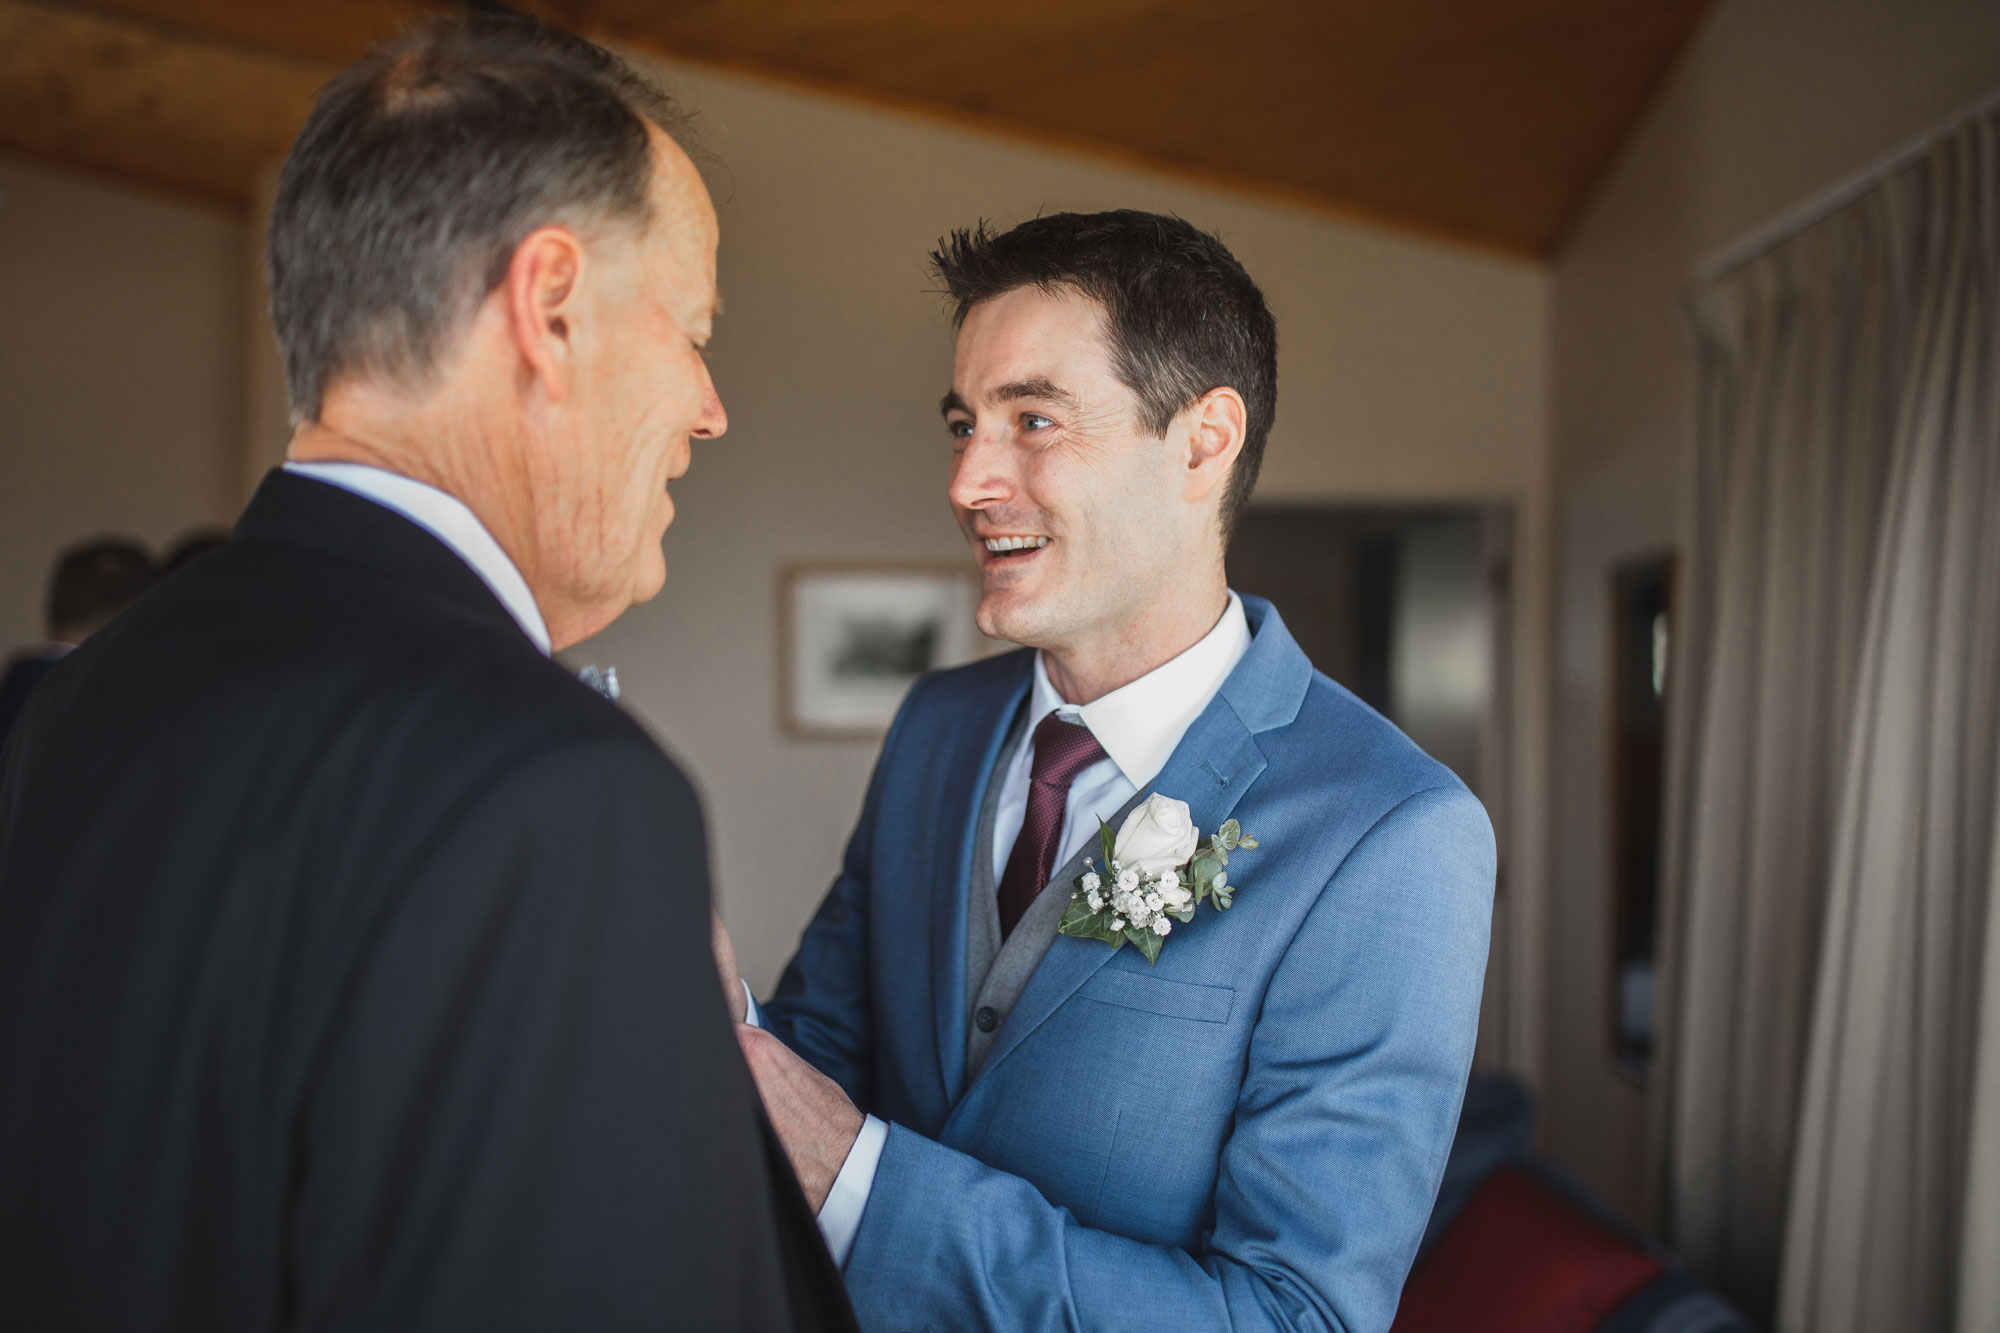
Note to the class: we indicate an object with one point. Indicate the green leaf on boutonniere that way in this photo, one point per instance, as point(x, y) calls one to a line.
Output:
point(1079, 921)
point(1077, 914)
point(1146, 942)
point(1108, 841)
point(1201, 873)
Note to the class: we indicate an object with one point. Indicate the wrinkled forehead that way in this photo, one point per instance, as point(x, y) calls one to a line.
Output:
point(1031, 333)
point(684, 232)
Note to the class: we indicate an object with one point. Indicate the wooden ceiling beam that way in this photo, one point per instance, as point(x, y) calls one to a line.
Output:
point(1485, 121)
point(146, 104)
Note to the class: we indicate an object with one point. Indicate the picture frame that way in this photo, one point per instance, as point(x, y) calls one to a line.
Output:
point(854, 636)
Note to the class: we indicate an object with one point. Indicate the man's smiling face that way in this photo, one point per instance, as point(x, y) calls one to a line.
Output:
point(1073, 510)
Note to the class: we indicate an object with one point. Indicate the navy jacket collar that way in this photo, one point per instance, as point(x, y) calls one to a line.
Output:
point(299, 511)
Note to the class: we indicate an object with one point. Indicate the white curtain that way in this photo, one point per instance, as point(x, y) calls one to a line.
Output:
point(1881, 1188)
point(1831, 852)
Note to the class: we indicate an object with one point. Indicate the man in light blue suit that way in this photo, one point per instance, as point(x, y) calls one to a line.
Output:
point(1007, 1127)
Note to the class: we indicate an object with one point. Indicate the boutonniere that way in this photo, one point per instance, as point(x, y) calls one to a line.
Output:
point(1151, 872)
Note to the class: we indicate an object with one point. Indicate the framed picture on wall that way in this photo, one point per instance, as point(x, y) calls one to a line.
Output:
point(853, 638)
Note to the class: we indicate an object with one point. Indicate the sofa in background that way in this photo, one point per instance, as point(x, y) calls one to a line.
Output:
point(1517, 1245)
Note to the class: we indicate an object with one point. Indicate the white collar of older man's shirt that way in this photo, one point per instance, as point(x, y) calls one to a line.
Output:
point(1140, 724)
point(446, 518)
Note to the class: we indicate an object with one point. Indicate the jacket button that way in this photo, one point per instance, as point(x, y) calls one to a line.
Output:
point(985, 1020)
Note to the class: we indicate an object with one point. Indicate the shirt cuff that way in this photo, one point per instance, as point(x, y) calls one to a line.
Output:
point(751, 1013)
point(840, 1215)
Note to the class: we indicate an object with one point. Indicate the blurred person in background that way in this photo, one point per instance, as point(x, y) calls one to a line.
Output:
point(92, 582)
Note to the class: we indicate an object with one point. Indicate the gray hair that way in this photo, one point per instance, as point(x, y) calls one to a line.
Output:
point(420, 171)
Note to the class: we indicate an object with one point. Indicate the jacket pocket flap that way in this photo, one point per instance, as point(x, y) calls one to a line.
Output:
point(1157, 995)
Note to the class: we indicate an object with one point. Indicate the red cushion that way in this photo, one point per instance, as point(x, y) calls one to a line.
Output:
point(1521, 1259)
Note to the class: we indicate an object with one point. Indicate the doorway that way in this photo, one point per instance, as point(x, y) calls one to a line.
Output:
point(1408, 607)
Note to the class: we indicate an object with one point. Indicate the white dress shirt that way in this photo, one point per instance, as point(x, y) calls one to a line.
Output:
point(1138, 725)
point(446, 518)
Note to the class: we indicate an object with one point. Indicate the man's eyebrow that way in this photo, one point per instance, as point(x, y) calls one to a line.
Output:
point(1041, 386)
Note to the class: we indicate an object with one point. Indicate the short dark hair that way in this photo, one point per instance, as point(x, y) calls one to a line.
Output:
point(1182, 315)
point(95, 580)
point(421, 169)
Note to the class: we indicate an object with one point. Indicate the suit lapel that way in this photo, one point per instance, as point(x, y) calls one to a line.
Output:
point(1212, 767)
point(973, 765)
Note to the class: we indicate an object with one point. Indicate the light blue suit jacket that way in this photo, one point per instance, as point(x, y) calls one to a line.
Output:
point(1248, 1135)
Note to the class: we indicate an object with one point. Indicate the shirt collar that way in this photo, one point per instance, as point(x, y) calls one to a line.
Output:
point(1140, 724)
point(449, 520)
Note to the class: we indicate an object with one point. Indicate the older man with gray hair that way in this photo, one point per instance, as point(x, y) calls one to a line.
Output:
point(354, 965)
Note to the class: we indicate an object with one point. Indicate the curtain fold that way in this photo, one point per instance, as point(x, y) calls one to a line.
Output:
point(1792, 457)
point(1978, 1273)
point(1880, 1186)
point(1832, 786)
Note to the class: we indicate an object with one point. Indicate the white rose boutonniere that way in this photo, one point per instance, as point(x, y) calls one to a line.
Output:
point(1159, 835)
point(1155, 872)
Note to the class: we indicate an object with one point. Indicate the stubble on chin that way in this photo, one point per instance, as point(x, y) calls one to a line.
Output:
point(1012, 618)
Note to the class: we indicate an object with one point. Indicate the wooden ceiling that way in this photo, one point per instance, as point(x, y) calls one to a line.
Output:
point(1481, 120)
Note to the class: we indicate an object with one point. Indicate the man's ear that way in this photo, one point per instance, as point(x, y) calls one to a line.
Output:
point(541, 296)
point(1217, 422)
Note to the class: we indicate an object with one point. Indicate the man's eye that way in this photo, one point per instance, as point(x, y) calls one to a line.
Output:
point(1035, 421)
point(960, 430)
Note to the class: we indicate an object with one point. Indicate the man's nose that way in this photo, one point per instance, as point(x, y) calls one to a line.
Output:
point(981, 474)
point(714, 420)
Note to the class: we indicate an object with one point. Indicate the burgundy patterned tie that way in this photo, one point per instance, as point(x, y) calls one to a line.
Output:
point(1062, 750)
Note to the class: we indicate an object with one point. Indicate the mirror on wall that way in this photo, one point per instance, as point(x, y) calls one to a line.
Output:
point(1642, 629)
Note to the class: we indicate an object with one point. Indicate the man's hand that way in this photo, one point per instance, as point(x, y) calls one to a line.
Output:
point(725, 962)
point(814, 1119)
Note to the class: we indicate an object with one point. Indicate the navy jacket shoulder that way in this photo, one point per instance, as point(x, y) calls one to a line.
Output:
point(360, 953)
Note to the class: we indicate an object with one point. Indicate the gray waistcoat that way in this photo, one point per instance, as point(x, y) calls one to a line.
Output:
point(996, 973)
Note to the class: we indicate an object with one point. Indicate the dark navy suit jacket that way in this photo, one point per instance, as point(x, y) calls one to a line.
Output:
point(23, 674)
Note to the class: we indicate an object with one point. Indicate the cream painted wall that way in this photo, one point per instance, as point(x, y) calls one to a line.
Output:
point(1774, 100)
point(1408, 370)
point(120, 371)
